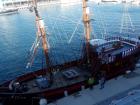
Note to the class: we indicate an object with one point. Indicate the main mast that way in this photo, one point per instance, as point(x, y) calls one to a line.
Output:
point(41, 33)
point(86, 20)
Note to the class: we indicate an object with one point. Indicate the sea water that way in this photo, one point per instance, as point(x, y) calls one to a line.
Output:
point(65, 34)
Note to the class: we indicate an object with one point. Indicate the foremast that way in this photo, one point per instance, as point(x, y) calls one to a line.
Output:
point(42, 33)
point(86, 20)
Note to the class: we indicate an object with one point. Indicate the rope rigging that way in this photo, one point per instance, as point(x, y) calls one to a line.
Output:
point(41, 36)
point(126, 24)
point(75, 30)
point(36, 43)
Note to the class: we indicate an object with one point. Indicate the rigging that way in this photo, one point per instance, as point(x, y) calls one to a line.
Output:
point(126, 24)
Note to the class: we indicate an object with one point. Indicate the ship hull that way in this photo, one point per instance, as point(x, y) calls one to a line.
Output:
point(113, 69)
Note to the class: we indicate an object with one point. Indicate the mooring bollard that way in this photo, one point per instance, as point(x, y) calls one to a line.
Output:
point(43, 101)
point(82, 87)
point(65, 93)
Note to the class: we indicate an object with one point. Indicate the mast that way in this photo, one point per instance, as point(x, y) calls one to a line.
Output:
point(86, 20)
point(41, 33)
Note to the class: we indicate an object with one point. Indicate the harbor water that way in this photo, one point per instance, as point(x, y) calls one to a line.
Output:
point(65, 35)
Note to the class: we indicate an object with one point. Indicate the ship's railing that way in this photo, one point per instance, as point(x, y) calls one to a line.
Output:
point(112, 40)
point(112, 58)
point(107, 46)
point(105, 59)
point(129, 51)
point(135, 45)
point(133, 41)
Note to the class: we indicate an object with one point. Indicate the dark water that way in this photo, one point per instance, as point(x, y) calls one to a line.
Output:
point(17, 33)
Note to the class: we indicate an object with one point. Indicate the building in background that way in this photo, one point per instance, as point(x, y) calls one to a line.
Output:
point(136, 2)
point(69, 1)
point(18, 3)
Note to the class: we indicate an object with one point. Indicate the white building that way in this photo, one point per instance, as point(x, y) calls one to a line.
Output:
point(108, 1)
point(96, 1)
point(13, 3)
point(16, 3)
point(69, 1)
point(113, 1)
point(136, 2)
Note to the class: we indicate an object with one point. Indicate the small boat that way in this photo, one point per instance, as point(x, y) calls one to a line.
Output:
point(108, 57)
point(6, 11)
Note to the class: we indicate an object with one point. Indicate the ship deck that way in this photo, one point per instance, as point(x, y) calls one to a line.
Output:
point(111, 50)
point(121, 49)
point(59, 80)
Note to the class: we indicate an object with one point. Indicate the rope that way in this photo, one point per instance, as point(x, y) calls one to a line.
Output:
point(75, 30)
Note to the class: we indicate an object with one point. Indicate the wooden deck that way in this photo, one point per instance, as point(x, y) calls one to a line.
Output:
point(59, 81)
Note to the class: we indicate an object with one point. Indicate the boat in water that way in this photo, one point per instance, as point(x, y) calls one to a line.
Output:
point(108, 57)
point(7, 11)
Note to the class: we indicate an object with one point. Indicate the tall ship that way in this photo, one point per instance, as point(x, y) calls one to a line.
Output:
point(108, 57)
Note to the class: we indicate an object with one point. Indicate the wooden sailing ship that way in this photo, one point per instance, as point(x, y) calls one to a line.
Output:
point(110, 57)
